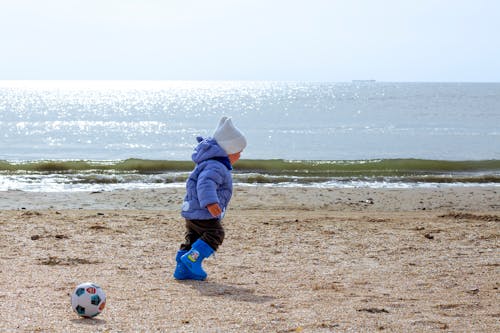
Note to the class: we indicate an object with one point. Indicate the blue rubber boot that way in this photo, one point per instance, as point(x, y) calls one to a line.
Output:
point(194, 257)
point(181, 272)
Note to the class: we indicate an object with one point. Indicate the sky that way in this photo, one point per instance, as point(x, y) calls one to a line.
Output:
point(306, 40)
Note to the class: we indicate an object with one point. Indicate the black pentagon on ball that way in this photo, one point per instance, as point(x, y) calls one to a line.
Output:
point(95, 300)
point(80, 310)
point(80, 291)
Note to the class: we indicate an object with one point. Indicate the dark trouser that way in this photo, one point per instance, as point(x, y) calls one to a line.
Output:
point(210, 231)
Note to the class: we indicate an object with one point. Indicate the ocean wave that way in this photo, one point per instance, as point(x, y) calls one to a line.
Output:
point(138, 173)
point(341, 168)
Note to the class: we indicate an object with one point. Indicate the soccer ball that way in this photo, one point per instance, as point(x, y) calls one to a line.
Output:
point(88, 299)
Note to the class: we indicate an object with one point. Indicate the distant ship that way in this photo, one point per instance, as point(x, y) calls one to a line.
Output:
point(363, 81)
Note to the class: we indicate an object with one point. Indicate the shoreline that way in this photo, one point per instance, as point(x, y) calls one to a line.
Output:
point(252, 197)
point(293, 260)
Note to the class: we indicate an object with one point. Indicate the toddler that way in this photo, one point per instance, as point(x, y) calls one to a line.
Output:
point(208, 192)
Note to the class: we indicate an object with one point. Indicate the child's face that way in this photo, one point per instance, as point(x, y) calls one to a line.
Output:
point(233, 158)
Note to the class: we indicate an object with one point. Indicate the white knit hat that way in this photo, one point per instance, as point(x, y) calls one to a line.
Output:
point(229, 137)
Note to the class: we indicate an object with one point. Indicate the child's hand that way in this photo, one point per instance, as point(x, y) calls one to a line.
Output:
point(214, 209)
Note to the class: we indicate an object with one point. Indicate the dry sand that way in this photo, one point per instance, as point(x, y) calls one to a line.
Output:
point(294, 260)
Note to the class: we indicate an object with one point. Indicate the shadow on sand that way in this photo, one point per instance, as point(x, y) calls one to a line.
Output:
point(208, 288)
point(89, 321)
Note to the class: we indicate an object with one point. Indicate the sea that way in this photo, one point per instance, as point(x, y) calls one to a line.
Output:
point(109, 135)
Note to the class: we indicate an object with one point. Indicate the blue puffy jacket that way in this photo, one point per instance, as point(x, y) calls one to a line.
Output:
point(209, 182)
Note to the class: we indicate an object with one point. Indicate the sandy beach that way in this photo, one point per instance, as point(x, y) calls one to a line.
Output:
point(294, 260)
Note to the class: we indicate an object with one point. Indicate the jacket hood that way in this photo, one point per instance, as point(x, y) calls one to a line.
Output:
point(207, 149)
